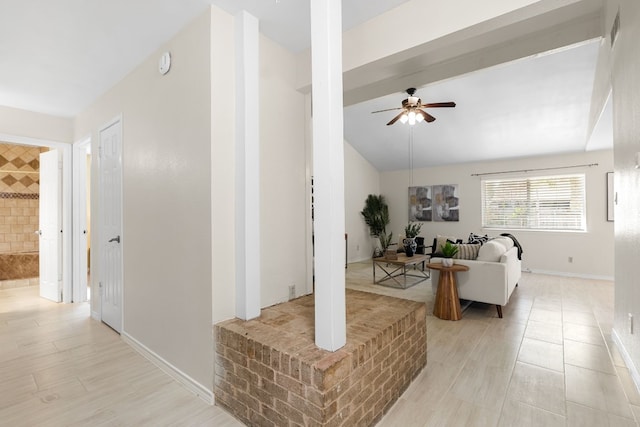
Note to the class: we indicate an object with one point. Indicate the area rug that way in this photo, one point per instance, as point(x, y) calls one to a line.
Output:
point(359, 276)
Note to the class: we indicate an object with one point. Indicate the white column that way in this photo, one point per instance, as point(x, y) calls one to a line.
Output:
point(247, 203)
point(328, 173)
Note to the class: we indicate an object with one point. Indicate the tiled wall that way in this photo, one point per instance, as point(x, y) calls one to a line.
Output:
point(19, 193)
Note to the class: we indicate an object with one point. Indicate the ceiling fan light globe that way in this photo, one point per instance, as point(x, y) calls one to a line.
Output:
point(419, 118)
point(404, 119)
point(412, 120)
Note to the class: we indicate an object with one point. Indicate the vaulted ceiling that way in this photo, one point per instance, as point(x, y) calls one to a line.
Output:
point(58, 57)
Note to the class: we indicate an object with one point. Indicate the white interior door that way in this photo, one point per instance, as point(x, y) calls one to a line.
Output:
point(50, 226)
point(110, 235)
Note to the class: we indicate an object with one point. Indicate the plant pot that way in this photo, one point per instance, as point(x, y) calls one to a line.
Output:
point(447, 262)
point(377, 246)
point(410, 246)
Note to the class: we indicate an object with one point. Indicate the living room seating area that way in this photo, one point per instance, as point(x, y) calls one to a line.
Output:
point(495, 267)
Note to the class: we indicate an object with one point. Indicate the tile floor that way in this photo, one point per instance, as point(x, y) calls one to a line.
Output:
point(550, 361)
point(58, 367)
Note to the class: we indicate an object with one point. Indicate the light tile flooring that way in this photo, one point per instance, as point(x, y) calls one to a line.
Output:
point(58, 367)
point(549, 361)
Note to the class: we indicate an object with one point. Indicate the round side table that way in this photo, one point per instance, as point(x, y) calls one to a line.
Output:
point(447, 303)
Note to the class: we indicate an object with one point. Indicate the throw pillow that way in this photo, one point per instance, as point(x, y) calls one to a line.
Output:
point(491, 251)
point(439, 241)
point(476, 238)
point(467, 251)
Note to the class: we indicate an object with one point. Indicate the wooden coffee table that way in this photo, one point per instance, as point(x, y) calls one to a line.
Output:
point(397, 268)
point(447, 303)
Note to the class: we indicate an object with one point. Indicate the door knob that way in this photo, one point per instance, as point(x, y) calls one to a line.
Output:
point(115, 239)
point(38, 232)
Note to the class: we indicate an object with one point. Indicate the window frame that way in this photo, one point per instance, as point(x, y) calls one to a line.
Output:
point(565, 195)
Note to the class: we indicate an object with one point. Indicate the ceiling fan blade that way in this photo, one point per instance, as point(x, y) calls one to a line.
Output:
point(439, 104)
point(388, 109)
point(427, 117)
point(395, 119)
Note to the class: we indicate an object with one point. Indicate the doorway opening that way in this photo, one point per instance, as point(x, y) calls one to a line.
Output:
point(64, 203)
point(19, 209)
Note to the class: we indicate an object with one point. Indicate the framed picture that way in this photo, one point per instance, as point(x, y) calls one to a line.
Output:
point(610, 196)
point(446, 204)
point(420, 204)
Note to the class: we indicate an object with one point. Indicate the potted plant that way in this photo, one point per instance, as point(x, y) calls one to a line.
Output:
point(410, 232)
point(385, 240)
point(448, 251)
point(376, 216)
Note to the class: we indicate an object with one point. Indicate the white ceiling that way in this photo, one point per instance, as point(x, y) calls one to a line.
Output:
point(530, 107)
point(58, 57)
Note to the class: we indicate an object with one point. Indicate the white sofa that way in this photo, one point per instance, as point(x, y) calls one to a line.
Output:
point(488, 281)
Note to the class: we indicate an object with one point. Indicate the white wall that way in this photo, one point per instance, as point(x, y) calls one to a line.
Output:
point(166, 201)
point(222, 165)
point(28, 124)
point(360, 180)
point(625, 79)
point(282, 176)
point(592, 251)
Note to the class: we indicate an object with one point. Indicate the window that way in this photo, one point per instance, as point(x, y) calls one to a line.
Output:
point(536, 203)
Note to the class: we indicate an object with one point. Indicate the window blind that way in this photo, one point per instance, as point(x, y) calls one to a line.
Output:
point(536, 203)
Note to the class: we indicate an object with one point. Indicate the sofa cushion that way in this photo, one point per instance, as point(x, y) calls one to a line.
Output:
point(467, 251)
point(491, 251)
point(476, 238)
point(504, 241)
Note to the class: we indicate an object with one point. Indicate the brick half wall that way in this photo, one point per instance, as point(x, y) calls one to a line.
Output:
point(268, 371)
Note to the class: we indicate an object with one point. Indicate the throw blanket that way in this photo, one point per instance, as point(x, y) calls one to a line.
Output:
point(515, 243)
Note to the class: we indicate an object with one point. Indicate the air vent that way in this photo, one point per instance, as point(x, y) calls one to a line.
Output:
point(615, 28)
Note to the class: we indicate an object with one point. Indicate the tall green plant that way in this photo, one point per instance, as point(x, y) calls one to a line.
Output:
point(376, 214)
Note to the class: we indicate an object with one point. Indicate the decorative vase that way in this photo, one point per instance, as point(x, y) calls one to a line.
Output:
point(410, 246)
point(377, 246)
point(447, 262)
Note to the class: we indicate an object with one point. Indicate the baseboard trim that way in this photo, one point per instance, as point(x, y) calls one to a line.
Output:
point(635, 375)
point(189, 383)
point(96, 316)
point(565, 274)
